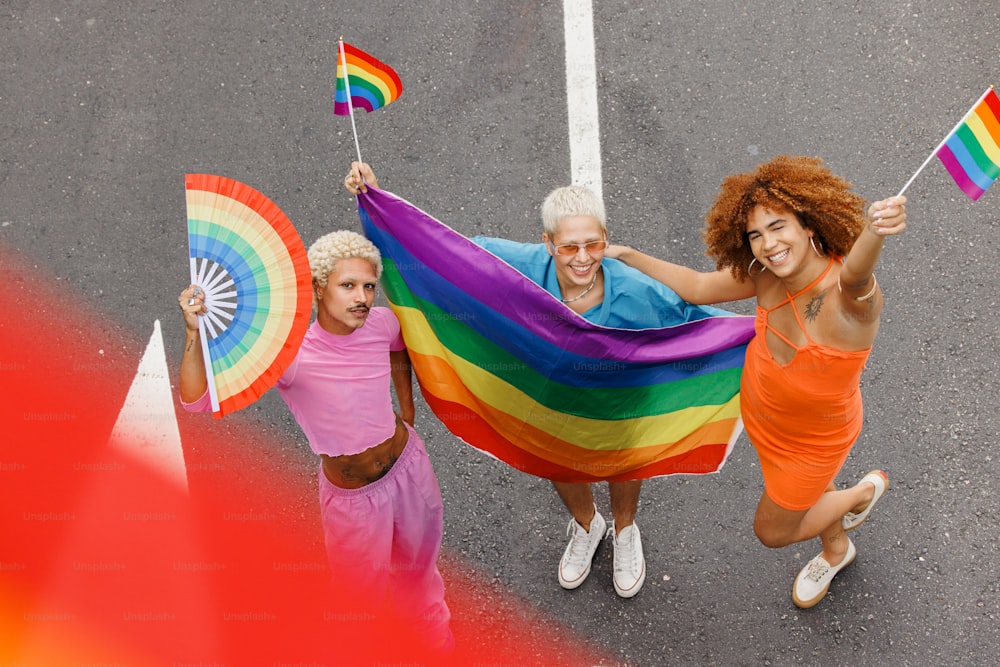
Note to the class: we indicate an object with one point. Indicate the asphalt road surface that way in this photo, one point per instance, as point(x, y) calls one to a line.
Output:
point(104, 106)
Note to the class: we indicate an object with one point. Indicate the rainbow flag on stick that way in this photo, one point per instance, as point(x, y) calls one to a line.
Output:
point(971, 151)
point(363, 81)
point(515, 373)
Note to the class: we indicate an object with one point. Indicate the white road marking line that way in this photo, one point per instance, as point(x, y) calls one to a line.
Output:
point(581, 94)
point(146, 428)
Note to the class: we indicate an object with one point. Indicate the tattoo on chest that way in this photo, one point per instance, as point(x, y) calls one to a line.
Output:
point(814, 306)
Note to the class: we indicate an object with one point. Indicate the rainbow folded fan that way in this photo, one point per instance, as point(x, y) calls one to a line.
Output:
point(249, 260)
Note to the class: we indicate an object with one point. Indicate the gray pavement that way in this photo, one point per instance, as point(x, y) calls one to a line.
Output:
point(104, 106)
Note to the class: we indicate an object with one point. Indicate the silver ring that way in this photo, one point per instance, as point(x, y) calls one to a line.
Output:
point(191, 301)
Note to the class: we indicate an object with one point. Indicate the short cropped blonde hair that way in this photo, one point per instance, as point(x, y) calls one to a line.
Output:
point(568, 202)
point(343, 244)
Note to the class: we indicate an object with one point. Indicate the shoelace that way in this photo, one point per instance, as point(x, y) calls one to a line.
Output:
point(627, 556)
point(578, 543)
point(817, 569)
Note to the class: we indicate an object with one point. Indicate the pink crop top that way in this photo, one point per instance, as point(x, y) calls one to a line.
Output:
point(338, 386)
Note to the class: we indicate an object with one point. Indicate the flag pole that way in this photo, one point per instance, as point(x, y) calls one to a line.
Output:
point(945, 140)
point(350, 105)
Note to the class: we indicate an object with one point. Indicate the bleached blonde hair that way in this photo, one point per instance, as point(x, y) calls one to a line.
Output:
point(335, 246)
point(571, 201)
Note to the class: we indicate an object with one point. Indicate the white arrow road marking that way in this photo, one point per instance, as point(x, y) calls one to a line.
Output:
point(146, 429)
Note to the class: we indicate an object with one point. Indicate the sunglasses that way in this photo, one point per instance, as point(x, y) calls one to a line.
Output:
point(574, 248)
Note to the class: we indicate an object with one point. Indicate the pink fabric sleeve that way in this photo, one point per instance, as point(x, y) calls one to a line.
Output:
point(395, 333)
point(201, 404)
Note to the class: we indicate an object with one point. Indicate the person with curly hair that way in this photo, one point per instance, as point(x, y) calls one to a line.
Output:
point(380, 502)
point(793, 235)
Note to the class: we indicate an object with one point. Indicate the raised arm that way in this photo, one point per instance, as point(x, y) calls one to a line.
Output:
point(359, 178)
point(697, 287)
point(857, 282)
point(193, 381)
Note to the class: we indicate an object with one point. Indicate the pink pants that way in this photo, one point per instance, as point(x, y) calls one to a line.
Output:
point(382, 541)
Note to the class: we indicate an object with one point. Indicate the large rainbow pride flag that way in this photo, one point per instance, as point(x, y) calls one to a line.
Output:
point(512, 371)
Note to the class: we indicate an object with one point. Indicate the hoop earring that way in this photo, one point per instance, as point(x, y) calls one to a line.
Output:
point(752, 262)
point(812, 242)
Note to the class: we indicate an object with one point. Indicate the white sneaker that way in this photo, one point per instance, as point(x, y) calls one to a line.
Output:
point(630, 566)
point(575, 564)
point(815, 578)
point(880, 481)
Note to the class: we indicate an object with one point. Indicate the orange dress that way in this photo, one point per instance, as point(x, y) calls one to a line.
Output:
point(801, 417)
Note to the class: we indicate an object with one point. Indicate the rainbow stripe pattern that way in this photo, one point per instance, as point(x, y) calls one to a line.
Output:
point(252, 266)
point(372, 83)
point(971, 153)
point(515, 373)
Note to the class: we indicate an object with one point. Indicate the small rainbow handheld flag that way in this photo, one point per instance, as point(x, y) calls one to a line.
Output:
point(971, 153)
point(363, 81)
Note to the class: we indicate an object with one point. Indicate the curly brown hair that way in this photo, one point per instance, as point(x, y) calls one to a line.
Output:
point(821, 200)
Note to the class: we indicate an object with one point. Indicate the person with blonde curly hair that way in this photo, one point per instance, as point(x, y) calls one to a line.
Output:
point(380, 502)
point(792, 235)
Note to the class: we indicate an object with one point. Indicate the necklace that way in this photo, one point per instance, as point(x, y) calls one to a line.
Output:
point(584, 292)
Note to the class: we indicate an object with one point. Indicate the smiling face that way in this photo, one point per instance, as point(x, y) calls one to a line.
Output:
point(344, 303)
point(577, 270)
point(779, 241)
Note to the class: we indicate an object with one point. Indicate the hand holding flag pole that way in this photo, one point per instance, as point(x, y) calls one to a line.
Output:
point(364, 82)
point(971, 151)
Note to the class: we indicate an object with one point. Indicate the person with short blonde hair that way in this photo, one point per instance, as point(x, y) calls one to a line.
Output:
point(570, 264)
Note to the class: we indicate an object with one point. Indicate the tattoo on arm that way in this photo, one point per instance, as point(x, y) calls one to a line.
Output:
point(814, 306)
point(189, 347)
